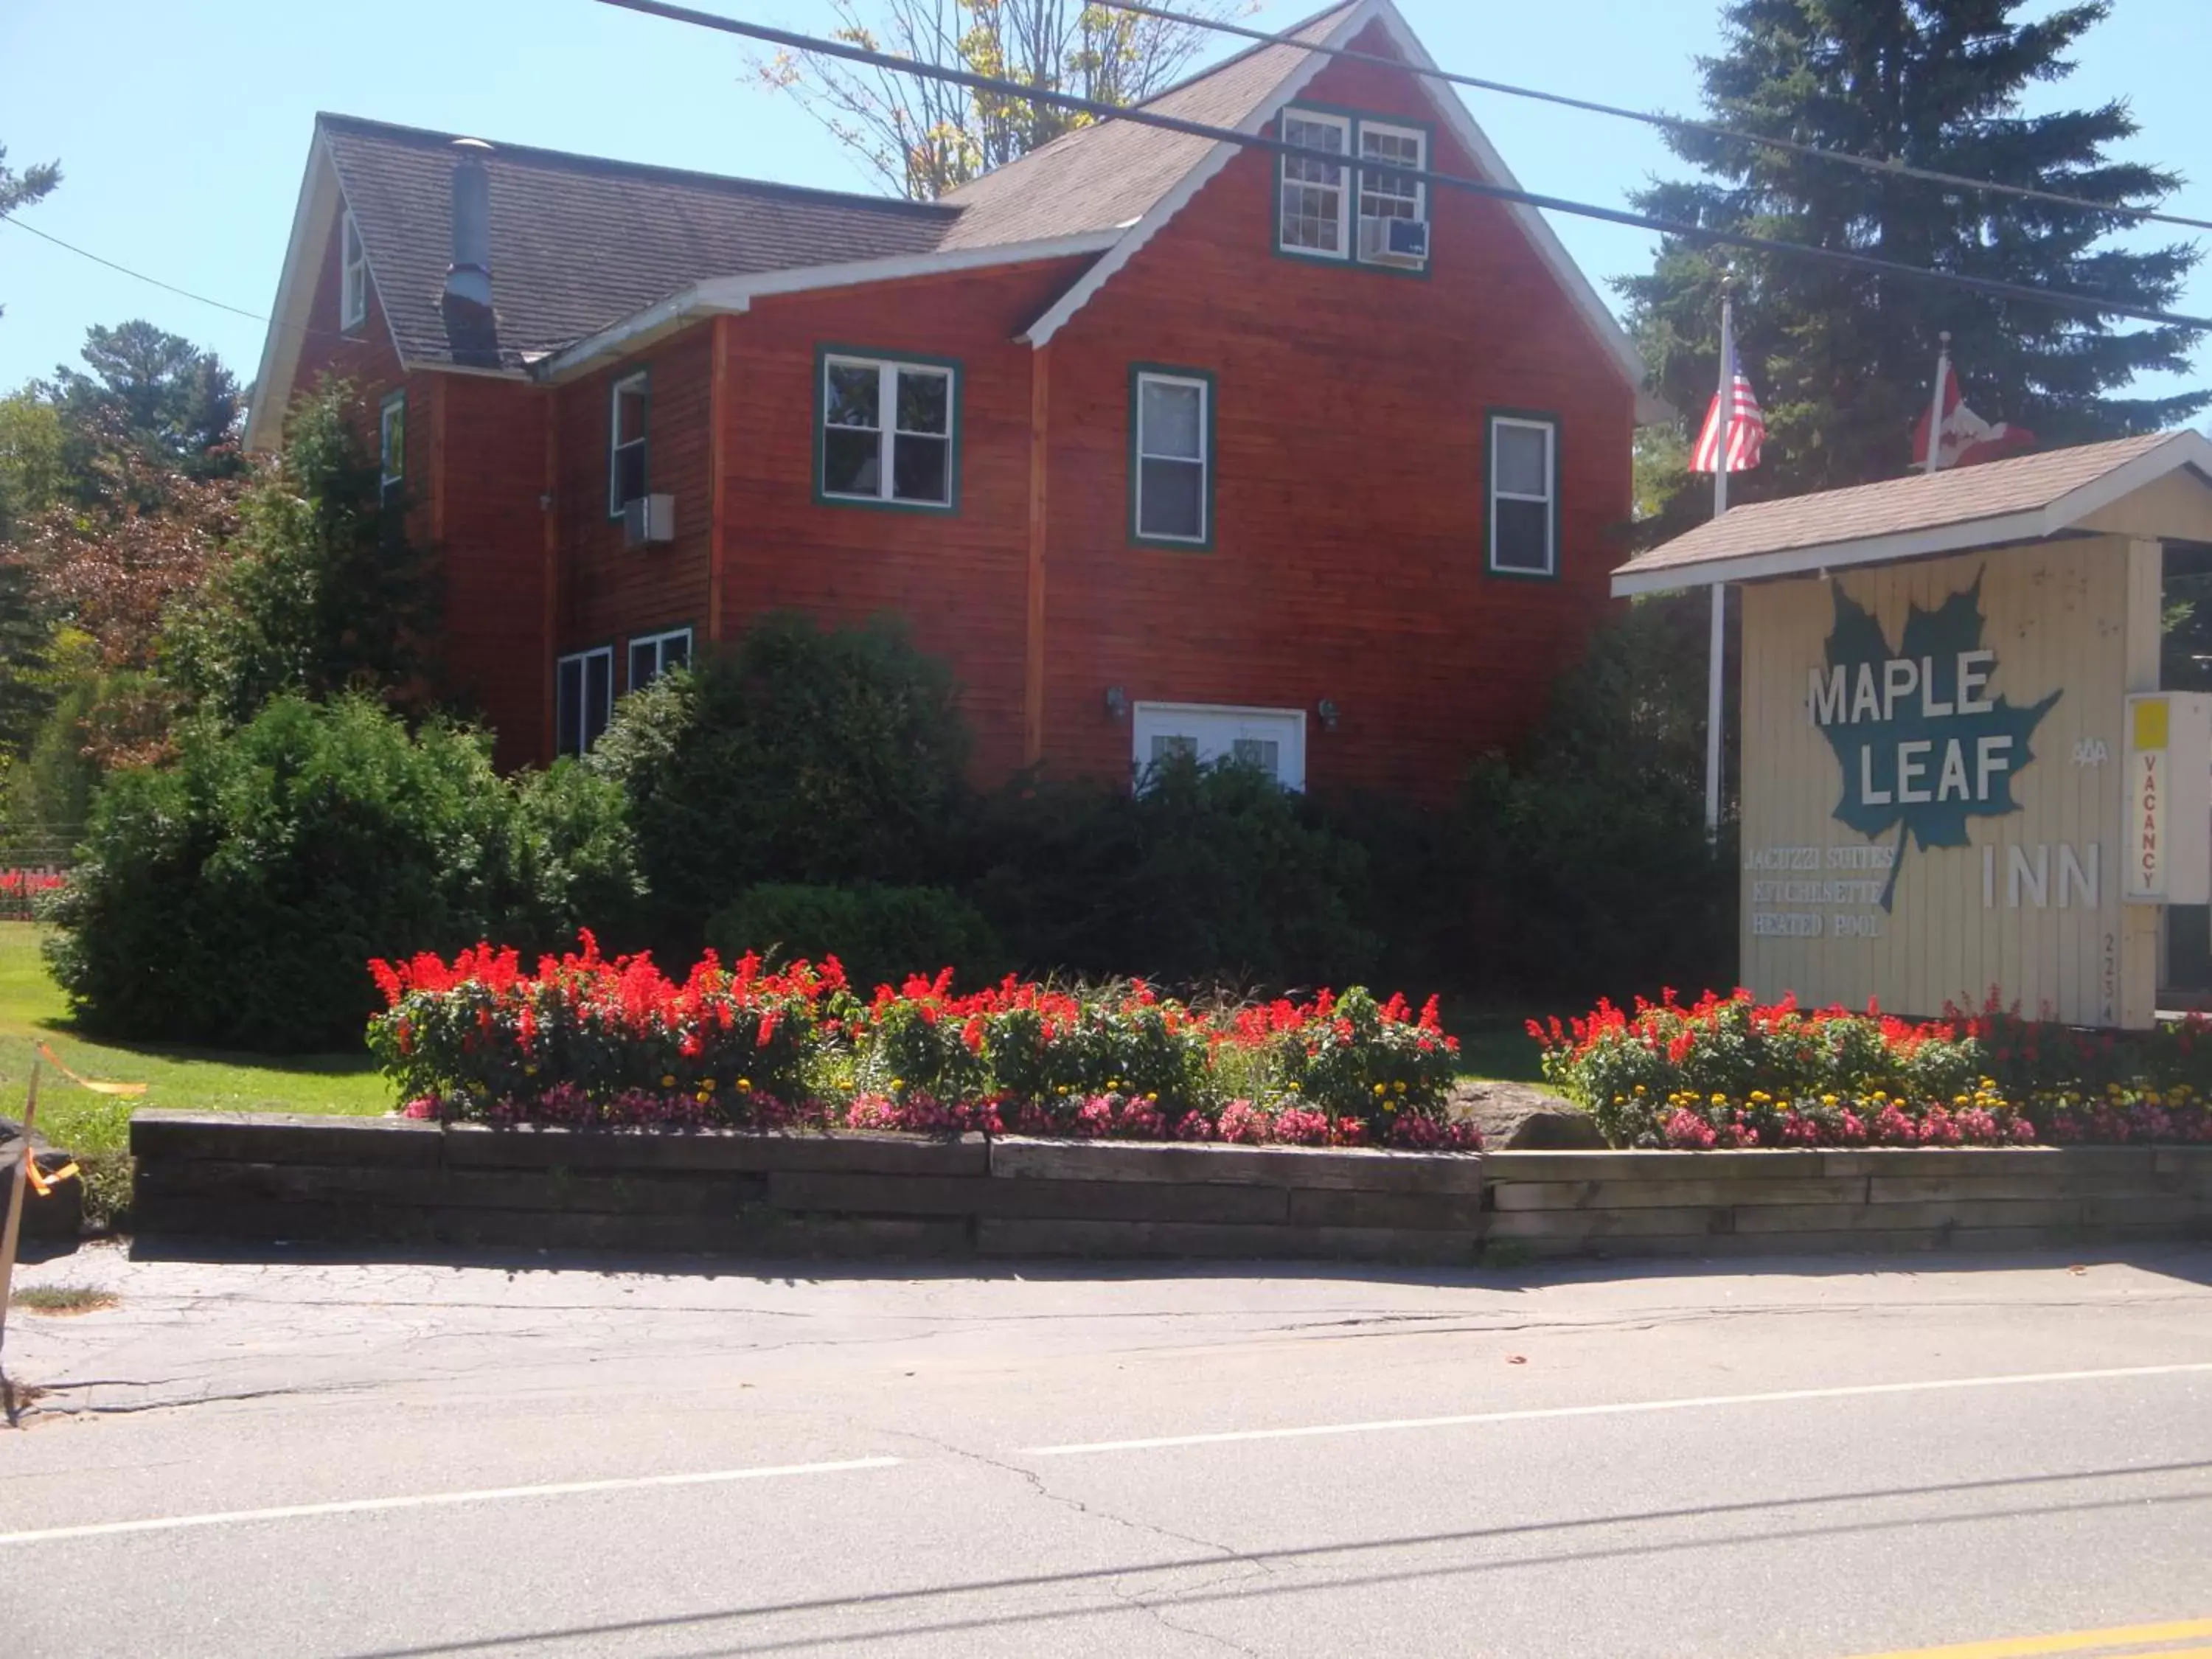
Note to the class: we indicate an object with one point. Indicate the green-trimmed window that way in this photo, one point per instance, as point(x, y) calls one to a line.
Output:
point(1173, 462)
point(1375, 213)
point(887, 431)
point(353, 274)
point(1524, 495)
point(652, 655)
point(391, 446)
point(583, 698)
point(627, 406)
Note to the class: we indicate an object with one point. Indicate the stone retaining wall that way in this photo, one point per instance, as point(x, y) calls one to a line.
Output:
point(381, 1180)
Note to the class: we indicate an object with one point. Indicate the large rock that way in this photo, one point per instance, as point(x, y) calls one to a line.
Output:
point(1520, 1117)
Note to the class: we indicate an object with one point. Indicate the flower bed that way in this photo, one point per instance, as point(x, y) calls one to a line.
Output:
point(1730, 1071)
point(21, 889)
point(586, 1040)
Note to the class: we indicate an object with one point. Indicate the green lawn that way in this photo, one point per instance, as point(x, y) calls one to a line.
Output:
point(1494, 1043)
point(33, 1011)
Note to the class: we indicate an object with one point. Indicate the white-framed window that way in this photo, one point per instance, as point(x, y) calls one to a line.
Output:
point(887, 431)
point(1313, 213)
point(583, 699)
point(1387, 194)
point(1272, 739)
point(1524, 494)
point(391, 444)
point(353, 276)
point(629, 400)
point(652, 655)
point(1324, 213)
point(1173, 462)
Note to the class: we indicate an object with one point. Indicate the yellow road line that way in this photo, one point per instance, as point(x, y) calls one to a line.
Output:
point(2080, 1641)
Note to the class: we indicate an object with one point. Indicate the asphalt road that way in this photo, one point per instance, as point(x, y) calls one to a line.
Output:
point(315, 1460)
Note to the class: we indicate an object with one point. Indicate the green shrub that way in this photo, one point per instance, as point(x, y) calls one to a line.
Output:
point(878, 933)
point(1205, 873)
point(323, 593)
point(1585, 856)
point(803, 755)
point(235, 897)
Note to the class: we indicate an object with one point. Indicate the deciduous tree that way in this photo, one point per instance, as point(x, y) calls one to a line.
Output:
point(924, 138)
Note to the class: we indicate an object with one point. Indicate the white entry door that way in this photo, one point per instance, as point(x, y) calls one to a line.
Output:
point(1273, 739)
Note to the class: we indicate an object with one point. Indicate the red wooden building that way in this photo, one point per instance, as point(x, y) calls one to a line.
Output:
point(1162, 442)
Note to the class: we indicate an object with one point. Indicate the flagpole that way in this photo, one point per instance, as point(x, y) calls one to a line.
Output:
point(1935, 405)
point(1716, 644)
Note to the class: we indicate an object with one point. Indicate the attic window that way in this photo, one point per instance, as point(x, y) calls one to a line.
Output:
point(1376, 217)
point(353, 292)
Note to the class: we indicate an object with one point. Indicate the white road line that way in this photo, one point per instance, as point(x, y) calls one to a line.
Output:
point(1626, 1408)
point(433, 1500)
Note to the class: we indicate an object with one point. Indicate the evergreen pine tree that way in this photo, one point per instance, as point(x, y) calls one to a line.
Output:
point(1843, 361)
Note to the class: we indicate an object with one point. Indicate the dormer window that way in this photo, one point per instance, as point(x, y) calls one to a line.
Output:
point(1379, 217)
point(353, 284)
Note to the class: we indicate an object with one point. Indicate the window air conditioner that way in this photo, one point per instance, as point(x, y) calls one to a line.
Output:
point(648, 520)
point(1394, 241)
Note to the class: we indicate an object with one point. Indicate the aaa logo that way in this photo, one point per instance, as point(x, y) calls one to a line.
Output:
point(1923, 744)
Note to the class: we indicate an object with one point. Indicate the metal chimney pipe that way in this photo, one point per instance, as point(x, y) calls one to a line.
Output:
point(468, 279)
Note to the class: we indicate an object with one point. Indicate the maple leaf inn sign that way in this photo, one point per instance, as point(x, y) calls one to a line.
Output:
point(1959, 775)
point(1923, 744)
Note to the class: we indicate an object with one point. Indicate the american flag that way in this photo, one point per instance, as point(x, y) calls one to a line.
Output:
point(1734, 427)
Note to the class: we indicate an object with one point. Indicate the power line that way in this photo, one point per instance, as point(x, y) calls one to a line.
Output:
point(1671, 123)
point(1142, 116)
point(85, 253)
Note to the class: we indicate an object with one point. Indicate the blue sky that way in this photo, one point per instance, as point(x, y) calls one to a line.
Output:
point(182, 128)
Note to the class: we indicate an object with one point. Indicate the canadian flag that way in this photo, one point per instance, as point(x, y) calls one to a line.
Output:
point(1966, 437)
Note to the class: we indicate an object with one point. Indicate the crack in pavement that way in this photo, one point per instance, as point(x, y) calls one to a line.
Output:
point(1132, 1598)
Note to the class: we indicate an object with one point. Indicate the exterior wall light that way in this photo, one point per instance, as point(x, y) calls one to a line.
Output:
point(1117, 703)
point(1329, 714)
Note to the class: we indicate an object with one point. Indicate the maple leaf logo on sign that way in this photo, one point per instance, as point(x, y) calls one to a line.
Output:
point(1922, 745)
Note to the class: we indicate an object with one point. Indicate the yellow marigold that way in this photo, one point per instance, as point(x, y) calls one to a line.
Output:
point(745, 1083)
point(668, 1079)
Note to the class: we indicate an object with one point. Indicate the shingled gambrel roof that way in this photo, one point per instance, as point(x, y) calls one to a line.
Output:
point(2026, 498)
point(578, 242)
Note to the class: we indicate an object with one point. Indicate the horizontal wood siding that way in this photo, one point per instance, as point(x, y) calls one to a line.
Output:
point(1349, 546)
point(497, 658)
point(957, 578)
point(609, 593)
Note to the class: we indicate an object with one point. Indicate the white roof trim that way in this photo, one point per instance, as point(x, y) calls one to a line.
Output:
point(1602, 324)
point(2184, 449)
point(1040, 332)
point(312, 219)
point(1553, 251)
point(737, 293)
point(322, 200)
